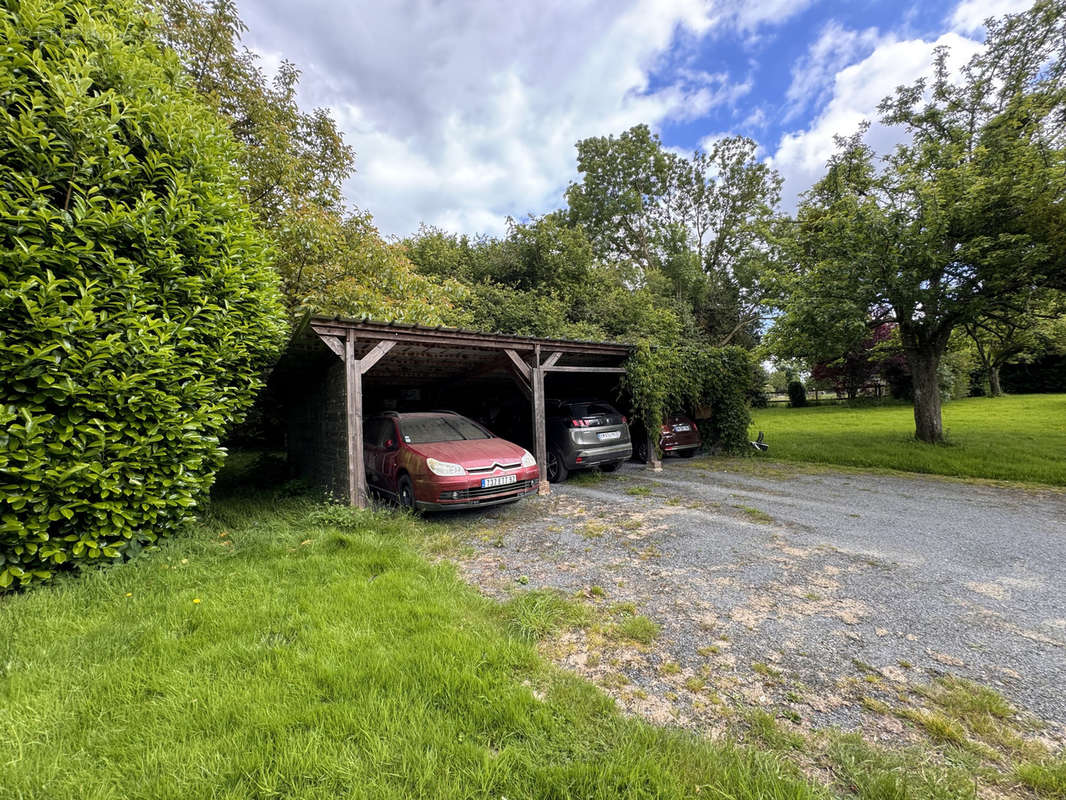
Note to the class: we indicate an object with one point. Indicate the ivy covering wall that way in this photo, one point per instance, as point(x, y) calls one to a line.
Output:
point(689, 377)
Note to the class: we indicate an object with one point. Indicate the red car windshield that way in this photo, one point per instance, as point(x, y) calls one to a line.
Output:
point(423, 430)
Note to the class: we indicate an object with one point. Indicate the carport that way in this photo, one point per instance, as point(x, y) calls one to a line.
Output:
point(334, 365)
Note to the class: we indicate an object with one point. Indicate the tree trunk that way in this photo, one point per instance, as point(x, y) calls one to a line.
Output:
point(928, 426)
point(993, 382)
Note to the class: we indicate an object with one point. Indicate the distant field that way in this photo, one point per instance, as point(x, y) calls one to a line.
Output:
point(1016, 438)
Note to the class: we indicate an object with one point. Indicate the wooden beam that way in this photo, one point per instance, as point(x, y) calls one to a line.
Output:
point(374, 356)
point(540, 439)
point(456, 338)
point(550, 361)
point(353, 379)
point(613, 370)
point(519, 364)
point(334, 343)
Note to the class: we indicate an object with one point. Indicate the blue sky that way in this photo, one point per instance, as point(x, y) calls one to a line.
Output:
point(463, 113)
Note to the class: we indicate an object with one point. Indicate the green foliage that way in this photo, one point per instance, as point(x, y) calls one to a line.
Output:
point(341, 265)
point(290, 158)
point(690, 376)
point(1046, 778)
point(136, 309)
point(797, 394)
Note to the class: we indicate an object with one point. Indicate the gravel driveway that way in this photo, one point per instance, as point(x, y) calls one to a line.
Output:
point(808, 592)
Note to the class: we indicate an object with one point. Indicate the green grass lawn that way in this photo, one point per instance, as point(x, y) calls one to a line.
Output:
point(1014, 438)
point(287, 649)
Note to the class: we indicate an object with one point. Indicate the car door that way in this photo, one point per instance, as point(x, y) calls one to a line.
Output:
point(374, 451)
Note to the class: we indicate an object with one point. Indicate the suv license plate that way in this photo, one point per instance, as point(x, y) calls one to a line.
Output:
point(682, 428)
point(500, 480)
point(609, 435)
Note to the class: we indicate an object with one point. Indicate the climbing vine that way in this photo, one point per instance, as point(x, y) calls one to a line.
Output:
point(662, 380)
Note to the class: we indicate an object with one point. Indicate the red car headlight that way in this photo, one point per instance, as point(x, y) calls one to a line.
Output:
point(444, 468)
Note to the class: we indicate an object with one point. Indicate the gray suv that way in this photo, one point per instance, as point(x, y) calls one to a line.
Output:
point(583, 434)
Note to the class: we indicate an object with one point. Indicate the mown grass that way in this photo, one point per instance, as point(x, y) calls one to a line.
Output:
point(1015, 438)
point(284, 649)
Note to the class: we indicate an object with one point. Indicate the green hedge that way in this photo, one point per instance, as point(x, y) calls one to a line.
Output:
point(137, 307)
point(661, 380)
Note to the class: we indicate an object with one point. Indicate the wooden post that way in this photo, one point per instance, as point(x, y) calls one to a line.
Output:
point(654, 461)
point(540, 443)
point(353, 378)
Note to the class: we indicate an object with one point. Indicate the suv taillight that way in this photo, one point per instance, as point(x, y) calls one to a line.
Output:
point(578, 423)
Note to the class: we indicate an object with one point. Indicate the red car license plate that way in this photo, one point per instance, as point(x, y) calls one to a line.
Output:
point(499, 480)
point(682, 428)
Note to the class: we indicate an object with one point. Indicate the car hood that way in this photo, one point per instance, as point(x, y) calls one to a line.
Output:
point(472, 452)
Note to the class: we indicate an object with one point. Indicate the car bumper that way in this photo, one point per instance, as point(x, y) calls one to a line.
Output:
point(683, 440)
point(483, 502)
point(465, 491)
point(591, 456)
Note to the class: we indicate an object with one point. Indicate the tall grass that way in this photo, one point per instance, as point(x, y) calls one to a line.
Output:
point(1013, 438)
point(283, 649)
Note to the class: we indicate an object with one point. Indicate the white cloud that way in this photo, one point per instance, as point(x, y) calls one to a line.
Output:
point(813, 75)
point(462, 113)
point(969, 16)
point(856, 91)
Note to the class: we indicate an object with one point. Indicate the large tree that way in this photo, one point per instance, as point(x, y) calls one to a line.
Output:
point(693, 227)
point(958, 220)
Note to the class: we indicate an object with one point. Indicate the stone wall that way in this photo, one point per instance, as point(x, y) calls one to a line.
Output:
point(318, 433)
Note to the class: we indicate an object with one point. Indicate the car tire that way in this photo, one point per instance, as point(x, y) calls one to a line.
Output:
point(688, 453)
point(641, 450)
point(610, 467)
point(557, 471)
point(405, 494)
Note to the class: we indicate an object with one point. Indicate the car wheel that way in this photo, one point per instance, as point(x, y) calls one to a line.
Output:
point(688, 453)
point(405, 494)
point(557, 471)
point(641, 450)
point(611, 467)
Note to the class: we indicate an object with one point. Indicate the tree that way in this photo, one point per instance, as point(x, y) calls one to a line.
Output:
point(852, 370)
point(693, 227)
point(954, 223)
point(343, 266)
point(1013, 333)
point(291, 158)
point(137, 310)
point(294, 163)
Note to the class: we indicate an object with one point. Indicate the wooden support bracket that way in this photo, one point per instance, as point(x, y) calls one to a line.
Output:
point(550, 361)
point(374, 356)
point(519, 364)
point(334, 343)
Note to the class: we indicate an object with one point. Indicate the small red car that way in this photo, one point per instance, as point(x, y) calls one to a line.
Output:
point(439, 460)
point(678, 435)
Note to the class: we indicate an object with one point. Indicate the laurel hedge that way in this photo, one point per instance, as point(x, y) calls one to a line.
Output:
point(661, 380)
point(137, 307)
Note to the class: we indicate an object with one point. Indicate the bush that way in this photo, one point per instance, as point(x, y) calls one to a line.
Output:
point(693, 376)
point(797, 394)
point(137, 308)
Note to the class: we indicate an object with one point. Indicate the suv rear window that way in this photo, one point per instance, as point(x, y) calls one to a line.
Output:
point(445, 428)
point(582, 410)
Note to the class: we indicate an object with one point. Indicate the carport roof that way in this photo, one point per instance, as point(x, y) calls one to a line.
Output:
point(419, 354)
point(365, 328)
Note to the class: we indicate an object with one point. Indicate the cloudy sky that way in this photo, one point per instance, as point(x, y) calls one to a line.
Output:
point(464, 112)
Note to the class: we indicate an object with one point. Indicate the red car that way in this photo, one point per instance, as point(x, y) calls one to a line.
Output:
point(678, 435)
point(439, 460)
